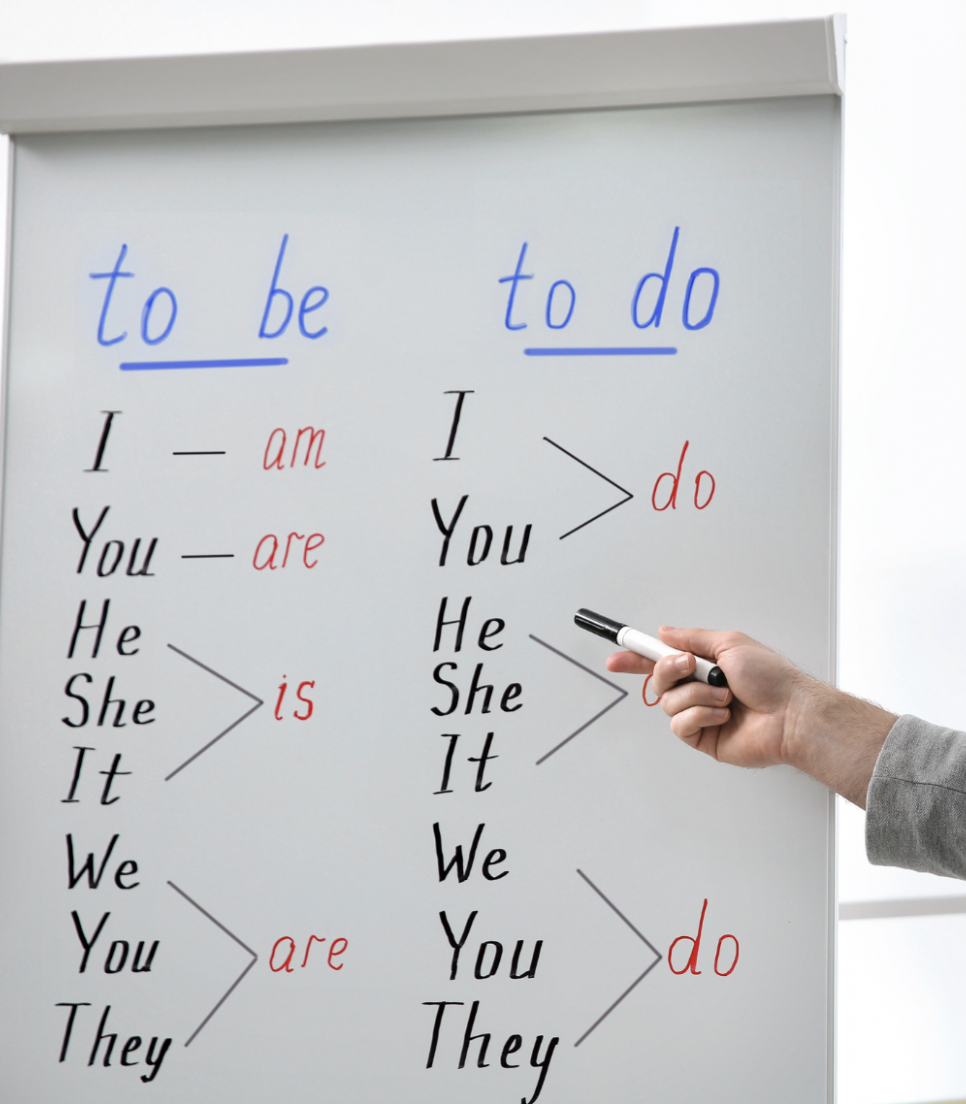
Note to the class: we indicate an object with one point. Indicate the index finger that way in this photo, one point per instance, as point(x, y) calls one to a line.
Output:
point(629, 663)
point(702, 642)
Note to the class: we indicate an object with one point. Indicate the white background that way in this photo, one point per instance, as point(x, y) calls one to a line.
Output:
point(902, 1016)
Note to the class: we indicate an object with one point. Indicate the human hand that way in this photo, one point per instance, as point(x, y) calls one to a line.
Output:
point(771, 712)
point(743, 724)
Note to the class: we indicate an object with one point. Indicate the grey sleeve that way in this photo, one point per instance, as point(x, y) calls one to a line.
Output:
point(916, 802)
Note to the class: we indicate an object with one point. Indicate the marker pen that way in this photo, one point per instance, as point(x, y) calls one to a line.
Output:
point(648, 646)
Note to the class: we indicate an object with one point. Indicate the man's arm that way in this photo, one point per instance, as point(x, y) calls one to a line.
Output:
point(910, 775)
point(772, 713)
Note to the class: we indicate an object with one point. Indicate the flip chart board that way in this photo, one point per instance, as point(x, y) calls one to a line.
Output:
point(316, 437)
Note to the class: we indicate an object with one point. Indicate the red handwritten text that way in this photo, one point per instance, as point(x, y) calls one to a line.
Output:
point(723, 952)
point(268, 550)
point(284, 951)
point(704, 486)
point(275, 450)
point(307, 703)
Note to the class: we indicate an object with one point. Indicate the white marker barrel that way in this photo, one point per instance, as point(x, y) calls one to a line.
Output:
point(652, 648)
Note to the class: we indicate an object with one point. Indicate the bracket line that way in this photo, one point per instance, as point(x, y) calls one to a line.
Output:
point(596, 717)
point(238, 980)
point(634, 984)
point(606, 479)
point(234, 685)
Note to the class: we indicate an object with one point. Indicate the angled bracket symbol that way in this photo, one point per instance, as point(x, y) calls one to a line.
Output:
point(657, 958)
point(237, 980)
point(624, 491)
point(258, 702)
point(622, 694)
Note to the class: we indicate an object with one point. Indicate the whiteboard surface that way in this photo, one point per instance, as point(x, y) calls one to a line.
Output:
point(288, 828)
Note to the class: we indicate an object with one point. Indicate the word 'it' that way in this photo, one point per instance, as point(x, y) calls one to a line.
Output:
point(159, 310)
point(726, 952)
point(110, 775)
point(647, 302)
point(281, 957)
point(481, 760)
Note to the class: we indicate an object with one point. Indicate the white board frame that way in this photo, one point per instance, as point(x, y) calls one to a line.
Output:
point(553, 73)
point(490, 76)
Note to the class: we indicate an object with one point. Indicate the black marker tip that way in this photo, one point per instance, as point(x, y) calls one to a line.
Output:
point(597, 623)
point(717, 677)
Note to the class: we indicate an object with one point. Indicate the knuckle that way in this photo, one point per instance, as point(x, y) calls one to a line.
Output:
point(660, 684)
point(694, 693)
point(683, 724)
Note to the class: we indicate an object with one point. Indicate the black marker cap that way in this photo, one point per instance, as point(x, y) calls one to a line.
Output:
point(717, 677)
point(597, 623)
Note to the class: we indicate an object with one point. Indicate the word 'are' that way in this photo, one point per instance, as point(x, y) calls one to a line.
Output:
point(284, 957)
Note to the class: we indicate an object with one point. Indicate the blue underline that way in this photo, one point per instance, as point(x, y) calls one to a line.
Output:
point(241, 362)
point(606, 350)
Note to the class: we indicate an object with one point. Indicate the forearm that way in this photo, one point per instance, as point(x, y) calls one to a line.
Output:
point(834, 737)
point(917, 800)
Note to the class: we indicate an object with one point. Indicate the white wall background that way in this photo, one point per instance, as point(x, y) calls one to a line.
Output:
point(902, 1034)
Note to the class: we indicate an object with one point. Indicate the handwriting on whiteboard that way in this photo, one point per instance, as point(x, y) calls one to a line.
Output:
point(128, 313)
point(647, 305)
point(467, 681)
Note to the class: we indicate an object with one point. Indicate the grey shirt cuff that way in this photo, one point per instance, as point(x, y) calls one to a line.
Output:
point(916, 802)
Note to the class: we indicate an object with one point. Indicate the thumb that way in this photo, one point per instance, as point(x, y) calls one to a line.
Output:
point(702, 642)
